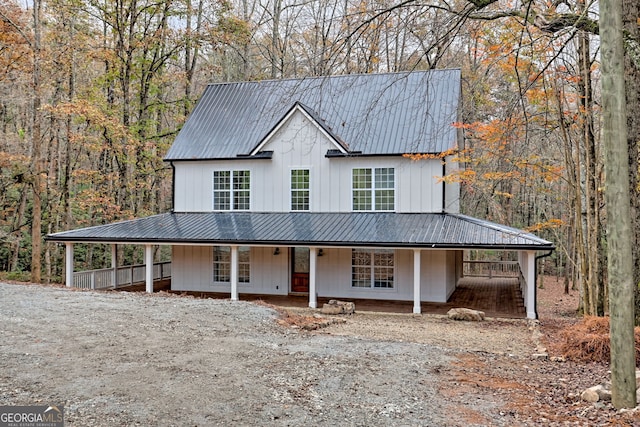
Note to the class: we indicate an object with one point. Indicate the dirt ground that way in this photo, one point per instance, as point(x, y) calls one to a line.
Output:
point(117, 358)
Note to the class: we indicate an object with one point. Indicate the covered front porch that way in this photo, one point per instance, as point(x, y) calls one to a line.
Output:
point(490, 286)
point(499, 288)
point(414, 258)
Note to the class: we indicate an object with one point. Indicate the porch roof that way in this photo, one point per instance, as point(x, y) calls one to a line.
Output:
point(349, 229)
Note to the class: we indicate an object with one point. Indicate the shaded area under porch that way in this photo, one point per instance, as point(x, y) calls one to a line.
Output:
point(497, 297)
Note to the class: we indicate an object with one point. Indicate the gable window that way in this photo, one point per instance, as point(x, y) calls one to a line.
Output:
point(231, 190)
point(373, 189)
point(222, 264)
point(300, 190)
point(372, 268)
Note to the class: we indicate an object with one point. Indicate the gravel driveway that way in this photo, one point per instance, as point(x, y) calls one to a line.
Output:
point(115, 358)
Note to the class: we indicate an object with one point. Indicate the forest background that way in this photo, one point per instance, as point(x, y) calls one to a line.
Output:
point(93, 92)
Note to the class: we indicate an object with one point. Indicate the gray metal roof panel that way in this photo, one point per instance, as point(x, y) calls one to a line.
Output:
point(304, 228)
point(392, 113)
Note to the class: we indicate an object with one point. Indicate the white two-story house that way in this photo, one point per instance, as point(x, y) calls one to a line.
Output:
point(303, 186)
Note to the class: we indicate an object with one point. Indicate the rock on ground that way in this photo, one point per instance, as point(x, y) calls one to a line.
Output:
point(466, 314)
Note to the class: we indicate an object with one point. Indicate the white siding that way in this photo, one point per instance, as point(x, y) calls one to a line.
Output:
point(452, 190)
point(334, 279)
point(269, 272)
point(527, 262)
point(451, 272)
point(434, 276)
point(437, 282)
point(418, 189)
point(301, 145)
point(192, 270)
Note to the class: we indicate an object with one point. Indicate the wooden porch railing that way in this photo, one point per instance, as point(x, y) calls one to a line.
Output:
point(123, 276)
point(490, 269)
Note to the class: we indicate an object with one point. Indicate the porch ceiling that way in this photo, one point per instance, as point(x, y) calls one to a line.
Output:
point(362, 229)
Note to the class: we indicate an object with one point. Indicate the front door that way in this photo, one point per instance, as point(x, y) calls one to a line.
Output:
point(300, 270)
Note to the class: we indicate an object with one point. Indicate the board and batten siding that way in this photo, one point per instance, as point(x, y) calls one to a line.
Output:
point(192, 270)
point(452, 189)
point(299, 144)
point(437, 280)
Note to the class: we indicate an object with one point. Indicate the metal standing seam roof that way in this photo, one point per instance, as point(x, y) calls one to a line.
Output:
point(394, 113)
point(362, 229)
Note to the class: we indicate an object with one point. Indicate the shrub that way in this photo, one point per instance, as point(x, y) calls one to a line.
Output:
point(588, 341)
point(16, 276)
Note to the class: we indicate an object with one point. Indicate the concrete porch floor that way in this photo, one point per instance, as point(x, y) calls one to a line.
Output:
point(497, 297)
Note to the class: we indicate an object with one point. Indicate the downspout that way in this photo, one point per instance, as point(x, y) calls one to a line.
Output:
point(444, 187)
point(173, 186)
point(173, 208)
point(535, 280)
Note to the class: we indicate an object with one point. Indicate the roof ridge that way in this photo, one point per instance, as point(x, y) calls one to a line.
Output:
point(335, 76)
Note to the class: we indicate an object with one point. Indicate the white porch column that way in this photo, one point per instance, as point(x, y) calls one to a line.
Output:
point(114, 265)
point(234, 273)
point(68, 272)
point(148, 258)
point(530, 278)
point(417, 309)
point(313, 257)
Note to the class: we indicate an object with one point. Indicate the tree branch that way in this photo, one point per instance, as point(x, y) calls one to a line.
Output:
point(9, 21)
point(562, 21)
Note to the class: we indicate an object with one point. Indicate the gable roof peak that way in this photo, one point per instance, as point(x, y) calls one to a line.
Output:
point(313, 117)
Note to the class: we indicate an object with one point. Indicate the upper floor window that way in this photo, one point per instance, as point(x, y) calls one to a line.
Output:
point(372, 268)
point(300, 190)
point(231, 190)
point(373, 189)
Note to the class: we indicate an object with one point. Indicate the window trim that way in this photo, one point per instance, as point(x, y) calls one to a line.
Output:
point(308, 189)
point(231, 191)
point(373, 189)
point(372, 269)
point(226, 263)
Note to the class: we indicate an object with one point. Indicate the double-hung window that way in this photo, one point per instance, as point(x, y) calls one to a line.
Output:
point(372, 268)
point(373, 189)
point(222, 264)
point(300, 190)
point(231, 190)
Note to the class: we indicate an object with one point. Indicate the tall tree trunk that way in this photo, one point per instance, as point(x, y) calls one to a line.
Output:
point(592, 208)
point(620, 261)
point(631, 10)
point(47, 256)
point(275, 39)
point(191, 51)
point(65, 189)
point(594, 305)
point(17, 226)
point(37, 167)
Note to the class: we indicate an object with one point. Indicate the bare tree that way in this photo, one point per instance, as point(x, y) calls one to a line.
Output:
point(37, 155)
point(620, 262)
